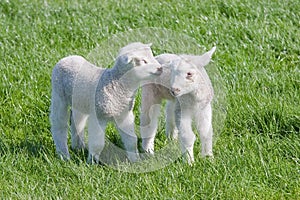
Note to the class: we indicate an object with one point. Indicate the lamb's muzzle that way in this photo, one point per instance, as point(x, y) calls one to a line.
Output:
point(175, 91)
point(159, 71)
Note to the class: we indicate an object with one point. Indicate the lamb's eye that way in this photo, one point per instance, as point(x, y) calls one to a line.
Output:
point(189, 75)
point(144, 61)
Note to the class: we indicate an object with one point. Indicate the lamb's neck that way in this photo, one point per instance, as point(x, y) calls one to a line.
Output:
point(128, 86)
point(125, 81)
point(130, 82)
point(202, 94)
point(113, 95)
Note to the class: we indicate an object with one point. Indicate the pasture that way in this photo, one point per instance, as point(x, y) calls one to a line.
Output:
point(256, 148)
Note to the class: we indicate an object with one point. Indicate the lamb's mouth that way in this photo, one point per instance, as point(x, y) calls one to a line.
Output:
point(174, 93)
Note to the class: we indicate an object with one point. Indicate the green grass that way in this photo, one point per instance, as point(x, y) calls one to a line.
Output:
point(257, 153)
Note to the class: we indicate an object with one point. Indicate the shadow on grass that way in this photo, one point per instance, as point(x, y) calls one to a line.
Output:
point(31, 148)
point(40, 150)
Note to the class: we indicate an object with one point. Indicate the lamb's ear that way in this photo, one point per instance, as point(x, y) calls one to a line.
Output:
point(149, 44)
point(133, 60)
point(174, 63)
point(125, 59)
point(204, 59)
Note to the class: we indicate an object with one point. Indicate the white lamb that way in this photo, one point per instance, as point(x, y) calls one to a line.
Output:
point(188, 90)
point(102, 95)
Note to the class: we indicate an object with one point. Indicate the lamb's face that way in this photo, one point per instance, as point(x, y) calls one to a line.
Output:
point(136, 59)
point(144, 65)
point(186, 75)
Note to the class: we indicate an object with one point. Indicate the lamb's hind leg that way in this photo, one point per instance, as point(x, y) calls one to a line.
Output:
point(125, 124)
point(78, 122)
point(59, 117)
point(204, 125)
point(150, 110)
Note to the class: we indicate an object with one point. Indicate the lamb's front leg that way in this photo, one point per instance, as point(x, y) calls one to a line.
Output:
point(186, 135)
point(150, 110)
point(125, 124)
point(171, 129)
point(203, 122)
point(96, 138)
point(149, 123)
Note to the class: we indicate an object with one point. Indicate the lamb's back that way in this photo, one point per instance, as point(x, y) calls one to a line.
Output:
point(75, 79)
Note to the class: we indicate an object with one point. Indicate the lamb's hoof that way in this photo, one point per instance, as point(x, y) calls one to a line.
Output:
point(173, 136)
point(188, 162)
point(210, 158)
point(93, 159)
point(78, 147)
point(187, 158)
point(81, 150)
point(147, 154)
point(150, 152)
point(133, 157)
point(208, 155)
point(63, 156)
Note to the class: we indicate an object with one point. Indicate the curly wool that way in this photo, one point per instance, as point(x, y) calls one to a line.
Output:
point(112, 96)
point(74, 80)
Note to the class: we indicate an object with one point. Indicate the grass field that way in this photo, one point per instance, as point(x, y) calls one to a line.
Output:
point(257, 153)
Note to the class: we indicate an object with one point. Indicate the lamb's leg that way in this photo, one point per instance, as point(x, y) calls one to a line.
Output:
point(149, 123)
point(96, 138)
point(150, 110)
point(204, 125)
point(125, 124)
point(186, 136)
point(78, 122)
point(171, 129)
point(59, 117)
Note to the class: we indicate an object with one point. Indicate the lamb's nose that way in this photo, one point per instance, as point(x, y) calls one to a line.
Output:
point(159, 70)
point(175, 91)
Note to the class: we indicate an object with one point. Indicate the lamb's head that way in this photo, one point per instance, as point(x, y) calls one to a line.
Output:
point(187, 72)
point(137, 59)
